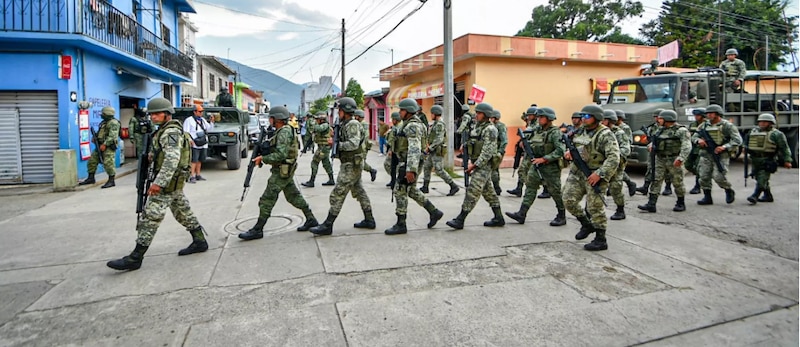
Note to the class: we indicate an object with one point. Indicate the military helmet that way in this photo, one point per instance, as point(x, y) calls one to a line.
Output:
point(716, 109)
point(593, 110)
point(654, 62)
point(657, 111)
point(495, 114)
point(547, 112)
point(576, 115)
point(348, 105)
point(108, 111)
point(409, 104)
point(321, 115)
point(484, 108)
point(531, 111)
point(610, 114)
point(465, 108)
point(279, 113)
point(620, 114)
point(160, 105)
point(396, 115)
point(766, 117)
point(668, 116)
point(359, 113)
point(437, 110)
point(731, 51)
point(699, 112)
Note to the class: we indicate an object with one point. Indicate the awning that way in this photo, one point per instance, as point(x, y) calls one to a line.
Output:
point(395, 95)
point(427, 90)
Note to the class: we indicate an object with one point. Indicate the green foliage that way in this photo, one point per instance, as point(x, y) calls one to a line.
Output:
point(354, 91)
point(321, 105)
point(581, 20)
point(743, 24)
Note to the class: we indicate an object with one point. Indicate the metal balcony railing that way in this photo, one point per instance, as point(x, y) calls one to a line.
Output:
point(96, 19)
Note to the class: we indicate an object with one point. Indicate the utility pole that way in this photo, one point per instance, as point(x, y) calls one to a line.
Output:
point(766, 56)
point(343, 85)
point(448, 81)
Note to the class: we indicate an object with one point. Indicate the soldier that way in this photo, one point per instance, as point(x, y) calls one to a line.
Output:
point(321, 133)
point(483, 143)
point(351, 155)
point(387, 163)
point(466, 125)
point(763, 145)
point(434, 154)
point(137, 127)
point(524, 165)
point(615, 184)
point(727, 138)
point(602, 157)
point(305, 133)
point(502, 143)
point(283, 158)
point(545, 141)
point(224, 99)
point(107, 136)
point(694, 155)
point(411, 137)
point(735, 71)
point(629, 134)
point(651, 130)
point(652, 69)
point(672, 148)
point(359, 114)
point(170, 154)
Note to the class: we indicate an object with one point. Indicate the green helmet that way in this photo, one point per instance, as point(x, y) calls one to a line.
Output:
point(699, 112)
point(484, 108)
point(731, 51)
point(654, 62)
point(437, 110)
point(160, 105)
point(348, 105)
point(321, 115)
point(396, 115)
point(531, 111)
point(668, 116)
point(716, 109)
point(108, 111)
point(279, 113)
point(620, 114)
point(593, 110)
point(359, 113)
point(409, 104)
point(610, 114)
point(576, 115)
point(547, 112)
point(766, 117)
point(495, 114)
point(465, 108)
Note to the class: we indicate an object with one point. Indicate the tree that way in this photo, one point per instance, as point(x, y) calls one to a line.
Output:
point(705, 31)
point(580, 20)
point(354, 91)
point(617, 36)
point(321, 105)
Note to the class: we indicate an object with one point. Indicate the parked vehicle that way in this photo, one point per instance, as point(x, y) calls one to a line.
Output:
point(228, 139)
point(253, 129)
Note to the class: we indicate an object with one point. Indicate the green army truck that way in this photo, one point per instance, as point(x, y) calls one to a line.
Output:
point(228, 138)
point(771, 92)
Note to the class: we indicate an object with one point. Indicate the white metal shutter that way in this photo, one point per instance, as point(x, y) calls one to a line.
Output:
point(38, 132)
point(10, 161)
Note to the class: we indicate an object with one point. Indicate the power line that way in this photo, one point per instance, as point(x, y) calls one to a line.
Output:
point(727, 13)
point(387, 34)
point(262, 16)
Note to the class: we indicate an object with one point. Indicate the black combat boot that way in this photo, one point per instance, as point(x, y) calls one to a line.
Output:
point(109, 183)
point(497, 220)
point(644, 188)
point(520, 215)
point(425, 187)
point(330, 181)
point(372, 175)
point(730, 195)
point(367, 223)
point(453, 189)
point(650, 206)
point(767, 197)
point(390, 184)
point(545, 194)
point(599, 242)
point(310, 182)
point(129, 262)
point(706, 200)
point(561, 219)
point(680, 205)
point(311, 221)
point(198, 244)
point(516, 191)
point(326, 228)
point(667, 189)
point(696, 188)
point(753, 199)
point(631, 187)
point(458, 222)
point(434, 214)
point(619, 214)
point(88, 180)
point(256, 232)
point(586, 228)
point(399, 227)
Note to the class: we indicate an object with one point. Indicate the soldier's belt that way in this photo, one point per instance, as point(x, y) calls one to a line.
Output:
point(760, 154)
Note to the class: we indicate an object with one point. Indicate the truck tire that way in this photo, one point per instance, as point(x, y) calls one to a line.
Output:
point(244, 152)
point(234, 161)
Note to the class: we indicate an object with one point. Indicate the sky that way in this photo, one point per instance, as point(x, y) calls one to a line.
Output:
point(300, 40)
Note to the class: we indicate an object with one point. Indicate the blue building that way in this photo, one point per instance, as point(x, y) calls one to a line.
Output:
point(56, 53)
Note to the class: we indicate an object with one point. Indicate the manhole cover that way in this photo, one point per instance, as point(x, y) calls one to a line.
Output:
point(276, 224)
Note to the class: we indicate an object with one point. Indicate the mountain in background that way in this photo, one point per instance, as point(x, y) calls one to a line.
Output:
point(277, 90)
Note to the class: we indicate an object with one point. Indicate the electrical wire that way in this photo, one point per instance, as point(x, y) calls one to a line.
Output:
point(262, 16)
point(389, 32)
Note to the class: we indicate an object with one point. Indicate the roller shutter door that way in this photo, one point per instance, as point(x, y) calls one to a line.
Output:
point(10, 161)
point(38, 132)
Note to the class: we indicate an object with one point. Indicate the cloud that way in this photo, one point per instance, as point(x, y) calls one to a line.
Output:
point(287, 36)
point(214, 21)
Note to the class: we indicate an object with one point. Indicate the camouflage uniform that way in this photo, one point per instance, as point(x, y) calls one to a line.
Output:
point(672, 143)
point(615, 185)
point(652, 129)
point(724, 134)
point(734, 70)
point(625, 178)
point(694, 159)
point(321, 134)
point(107, 134)
point(387, 163)
point(524, 166)
point(136, 131)
point(367, 146)
point(767, 149)
point(502, 142)
point(437, 140)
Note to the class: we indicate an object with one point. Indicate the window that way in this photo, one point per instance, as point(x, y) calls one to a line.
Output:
point(211, 81)
point(221, 86)
point(382, 115)
point(165, 34)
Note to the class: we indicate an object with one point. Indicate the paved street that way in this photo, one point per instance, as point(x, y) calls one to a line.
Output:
point(721, 275)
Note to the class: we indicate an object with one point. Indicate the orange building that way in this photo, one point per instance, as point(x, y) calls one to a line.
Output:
point(516, 72)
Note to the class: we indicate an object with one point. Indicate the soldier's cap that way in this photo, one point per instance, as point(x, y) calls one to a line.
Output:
point(699, 112)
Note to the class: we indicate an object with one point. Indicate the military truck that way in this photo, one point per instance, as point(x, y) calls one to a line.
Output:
point(228, 138)
point(771, 92)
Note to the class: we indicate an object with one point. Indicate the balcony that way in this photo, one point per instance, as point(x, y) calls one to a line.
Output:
point(98, 20)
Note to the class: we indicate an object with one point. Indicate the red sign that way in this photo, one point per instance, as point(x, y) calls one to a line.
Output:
point(65, 67)
point(477, 94)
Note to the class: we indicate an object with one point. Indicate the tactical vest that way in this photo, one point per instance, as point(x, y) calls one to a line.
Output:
point(182, 171)
point(761, 142)
point(102, 131)
point(587, 146)
point(715, 132)
point(349, 156)
point(321, 137)
point(669, 142)
point(539, 143)
point(291, 156)
point(476, 140)
point(693, 126)
point(401, 140)
point(442, 150)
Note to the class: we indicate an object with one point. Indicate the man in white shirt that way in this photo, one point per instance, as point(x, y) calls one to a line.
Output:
point(197, 127)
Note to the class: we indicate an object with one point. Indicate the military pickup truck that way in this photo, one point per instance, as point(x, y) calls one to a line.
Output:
point(771, 92)
point(228, 139)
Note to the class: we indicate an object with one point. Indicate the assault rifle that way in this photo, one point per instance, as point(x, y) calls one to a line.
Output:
point(335, 146)
point(518, 152)
point(97, 144)
point(144, 172)
point(653, 147)
point(710, 146)
point(746, 159)
point(394, 162)
point(261, 148)
point(529, 152)
point(578, 161)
